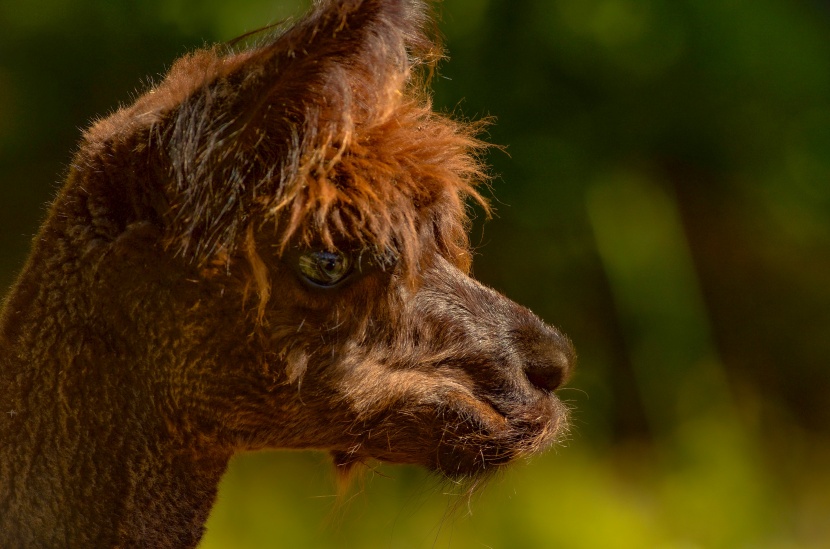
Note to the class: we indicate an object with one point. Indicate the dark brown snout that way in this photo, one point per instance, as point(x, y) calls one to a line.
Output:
point(465, 382)
point(501, 344)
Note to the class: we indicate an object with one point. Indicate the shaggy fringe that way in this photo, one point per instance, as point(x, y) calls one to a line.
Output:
point(329, 147)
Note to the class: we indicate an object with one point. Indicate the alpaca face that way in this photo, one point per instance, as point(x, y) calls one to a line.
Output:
point(440, 371)
point(317, 206)
point(449, 374)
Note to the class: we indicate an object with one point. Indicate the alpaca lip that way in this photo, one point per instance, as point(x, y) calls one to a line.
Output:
point(498, 409)
point(491, 416)
point(529, 417)
point(496, 437)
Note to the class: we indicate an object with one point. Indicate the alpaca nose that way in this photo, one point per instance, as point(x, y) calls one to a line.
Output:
point(549, 360)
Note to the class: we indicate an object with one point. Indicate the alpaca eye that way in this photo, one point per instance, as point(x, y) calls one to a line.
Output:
point(324, 268)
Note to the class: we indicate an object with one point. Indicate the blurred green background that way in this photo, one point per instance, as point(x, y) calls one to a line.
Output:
point(664, 198)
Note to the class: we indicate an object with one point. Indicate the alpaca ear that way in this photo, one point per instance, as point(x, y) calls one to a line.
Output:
point(255, 121)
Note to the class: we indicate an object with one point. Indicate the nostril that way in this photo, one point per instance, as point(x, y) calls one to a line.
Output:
point(549, 372)
point(548, 358)
point(544, 378)
point(543, 354)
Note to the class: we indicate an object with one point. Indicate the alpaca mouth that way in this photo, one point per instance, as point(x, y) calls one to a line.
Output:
point(488, 435)
point(491, 416)
point(463, 437)
point(533, 427)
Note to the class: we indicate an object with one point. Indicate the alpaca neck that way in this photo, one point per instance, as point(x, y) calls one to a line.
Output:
point(90, 486)
point(90, 456)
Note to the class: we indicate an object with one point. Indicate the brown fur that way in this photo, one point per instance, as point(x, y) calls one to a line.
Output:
point(161, 323)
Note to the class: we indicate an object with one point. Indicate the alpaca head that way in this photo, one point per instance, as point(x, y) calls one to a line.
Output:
point(314, 210)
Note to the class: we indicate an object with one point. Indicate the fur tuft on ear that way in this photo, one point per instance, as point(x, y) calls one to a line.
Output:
point(325, 133)
point(321, 130)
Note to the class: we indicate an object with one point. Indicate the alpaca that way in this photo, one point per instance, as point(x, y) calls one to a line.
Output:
point(268, 249)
